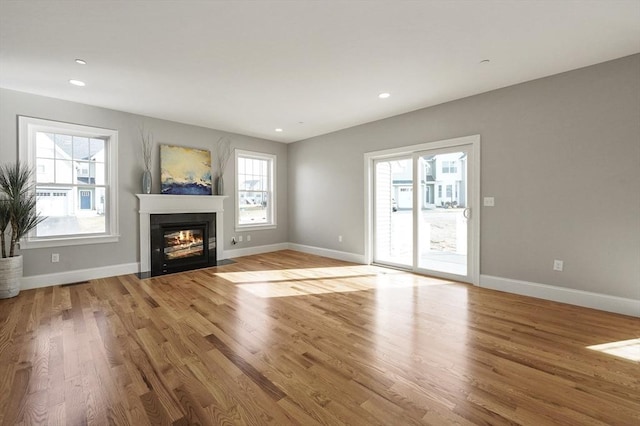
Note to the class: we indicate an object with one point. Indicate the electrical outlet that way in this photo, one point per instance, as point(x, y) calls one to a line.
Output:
point(233, 241)
point(248, 237)
point(55, 257)
point(339, 238)
point(239, 238)
point(489, 202)
point(558, 265)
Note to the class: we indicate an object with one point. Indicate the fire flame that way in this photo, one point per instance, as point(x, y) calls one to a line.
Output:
point(183, 238)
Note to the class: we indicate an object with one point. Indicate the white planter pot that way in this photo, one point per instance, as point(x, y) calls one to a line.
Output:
point(10, 275)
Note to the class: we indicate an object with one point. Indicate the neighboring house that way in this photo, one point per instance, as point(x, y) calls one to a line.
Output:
point(254, 195)
point(442, 182)
point(56, 163)
point(449, 174)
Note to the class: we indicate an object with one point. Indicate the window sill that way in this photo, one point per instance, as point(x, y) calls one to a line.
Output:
point(70, 241)
point(243, 228)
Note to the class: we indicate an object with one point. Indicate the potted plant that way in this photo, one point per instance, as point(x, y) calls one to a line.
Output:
point(18, 216)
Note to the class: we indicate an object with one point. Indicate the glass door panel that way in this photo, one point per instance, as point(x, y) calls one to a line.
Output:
point(442, 217)
point(393, 212)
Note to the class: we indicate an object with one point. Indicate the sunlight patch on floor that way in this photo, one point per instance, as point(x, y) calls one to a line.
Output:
point(331, 282)
point(628, 349)
point(303, 273)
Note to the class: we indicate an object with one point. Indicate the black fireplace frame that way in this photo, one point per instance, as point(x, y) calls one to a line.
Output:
point(161, 222)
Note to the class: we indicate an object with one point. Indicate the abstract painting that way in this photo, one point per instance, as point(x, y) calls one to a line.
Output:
point(185, 171)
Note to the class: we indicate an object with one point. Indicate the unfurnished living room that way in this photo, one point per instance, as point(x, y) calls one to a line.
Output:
point(320, 212)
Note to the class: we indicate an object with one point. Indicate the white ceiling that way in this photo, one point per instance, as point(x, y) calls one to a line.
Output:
point(309, 67)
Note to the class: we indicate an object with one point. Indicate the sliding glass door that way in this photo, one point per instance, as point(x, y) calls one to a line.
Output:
point(422, 210)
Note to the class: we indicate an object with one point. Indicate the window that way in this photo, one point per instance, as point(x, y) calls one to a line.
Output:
point(75, 182)
point(449, 167)
point(255, 190)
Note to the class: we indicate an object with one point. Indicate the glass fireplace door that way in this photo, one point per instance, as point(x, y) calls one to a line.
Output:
point(183, 243)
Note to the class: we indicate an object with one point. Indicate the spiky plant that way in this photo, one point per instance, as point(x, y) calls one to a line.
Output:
point(17, 205)
point(4, 222)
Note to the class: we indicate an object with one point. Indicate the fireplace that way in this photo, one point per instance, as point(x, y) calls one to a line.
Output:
point(181, 242)
point(171, 207)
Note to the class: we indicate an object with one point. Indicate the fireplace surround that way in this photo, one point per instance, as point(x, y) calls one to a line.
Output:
point(177, 205)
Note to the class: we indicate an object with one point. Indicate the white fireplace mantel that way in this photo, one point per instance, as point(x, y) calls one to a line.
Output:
point(167, 204)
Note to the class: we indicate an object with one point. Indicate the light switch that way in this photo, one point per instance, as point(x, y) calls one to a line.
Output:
point(489, 201)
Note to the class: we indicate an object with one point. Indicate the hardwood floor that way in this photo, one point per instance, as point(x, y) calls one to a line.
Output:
point(289, 338)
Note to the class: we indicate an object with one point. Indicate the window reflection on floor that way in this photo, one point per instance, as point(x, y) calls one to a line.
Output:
point(305, 281)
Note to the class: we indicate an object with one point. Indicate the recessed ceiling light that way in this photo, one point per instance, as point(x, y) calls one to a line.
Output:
point(278, 129)
point(81, 62)
point(77, 83)
point(384, 95)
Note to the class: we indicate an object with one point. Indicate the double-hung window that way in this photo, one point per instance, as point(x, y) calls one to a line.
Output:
point(74, 176)
point(255, 190)
point(449, 167)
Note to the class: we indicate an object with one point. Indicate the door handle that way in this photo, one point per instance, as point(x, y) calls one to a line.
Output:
point(466, 213)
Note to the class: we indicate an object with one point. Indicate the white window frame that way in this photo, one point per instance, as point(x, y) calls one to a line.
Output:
point(27, 129)
point(272, 224)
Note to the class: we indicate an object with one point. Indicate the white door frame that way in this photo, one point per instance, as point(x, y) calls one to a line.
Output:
point(473, 142)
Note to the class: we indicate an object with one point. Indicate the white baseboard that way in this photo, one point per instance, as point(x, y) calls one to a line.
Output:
point(248, 251)
point(333, 254)
point(47, 280)
point(587, 299)
point(68, 277)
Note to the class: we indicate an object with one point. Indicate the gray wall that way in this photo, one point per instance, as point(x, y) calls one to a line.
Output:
point(38, 261)
point(560, 154)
